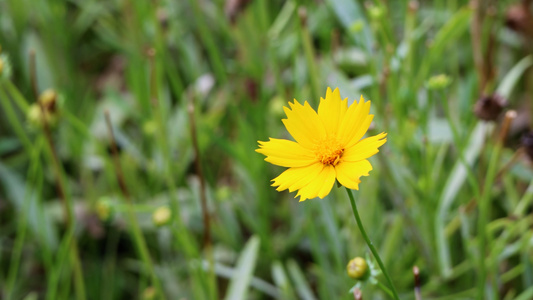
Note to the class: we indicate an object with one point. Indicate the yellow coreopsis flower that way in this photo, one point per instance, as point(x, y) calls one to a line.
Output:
point(328, 146)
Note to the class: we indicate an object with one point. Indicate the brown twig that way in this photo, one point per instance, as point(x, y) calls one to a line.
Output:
point(114, 152)
point(506, 124)
point(48, 135)
point(516, 156)
point(475, 30)
point(33, 75)
point(199, 172)
point(416, 273)
point(60, 187)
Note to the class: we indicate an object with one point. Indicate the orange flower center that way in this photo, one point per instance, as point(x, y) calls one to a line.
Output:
point(329, 151)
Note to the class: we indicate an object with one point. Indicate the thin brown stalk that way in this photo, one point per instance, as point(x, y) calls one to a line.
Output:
point(136, 229)
point(33, 75)
point(116, 161)
point(506, 124)
point(199, 172)
point(516, 156)
point(477, 44)
point(48, 135)
point(60, 185)
point(416, 274)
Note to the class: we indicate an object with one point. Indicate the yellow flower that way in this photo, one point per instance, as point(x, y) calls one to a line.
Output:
point(328, 146)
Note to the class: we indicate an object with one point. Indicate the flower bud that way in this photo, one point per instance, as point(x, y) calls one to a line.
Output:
point(162, 216)
point(104, 210)
point(48, 99)
point(36, 119)
point(357, 268)
point(35, 115)
point(438, 82)
point(488, 108)
point(150, 127)
point(375, 12)
point(357, 26)
point(149, 293)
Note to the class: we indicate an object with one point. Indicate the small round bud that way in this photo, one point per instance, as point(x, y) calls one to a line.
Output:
point(357, 268)
point(162, 216)
point(150, 128)
point(276, 106)
point(149, 293)
point(488, 108)
point(48, 99)
point(357, 26)
point(36, 119)
point(104, 210)
point(375, 12)
point(34, 115)
point(438, 82)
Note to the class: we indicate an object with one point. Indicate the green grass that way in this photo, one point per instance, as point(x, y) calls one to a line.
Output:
point(447, 193)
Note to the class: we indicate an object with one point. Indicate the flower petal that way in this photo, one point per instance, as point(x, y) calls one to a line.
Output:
point(355, 123)
point(304, 124)
point(296, 178)
point(364, 148)
point(286, 153)
point(348, 173)
point(331, 111)
point(320, 186)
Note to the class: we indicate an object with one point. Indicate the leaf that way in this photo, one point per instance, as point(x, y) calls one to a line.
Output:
point(302, 287)
point(450, 32)
point(282, 281)
point(451, 189)
point(348, 12)
point(511, 78)
point(39, 221)
point(238, 286)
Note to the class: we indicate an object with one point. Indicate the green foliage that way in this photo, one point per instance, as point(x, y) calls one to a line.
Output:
point(191, 86)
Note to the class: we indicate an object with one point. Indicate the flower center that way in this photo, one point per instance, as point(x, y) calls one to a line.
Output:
point(328, 151)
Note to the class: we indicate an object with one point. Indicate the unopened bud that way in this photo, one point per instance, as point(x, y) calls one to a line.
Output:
point(150, 127)
point(357, 26)
point(375, 12)
point(104, 210)
point(35, 115)
point(438, 82)
point(488, 108)
point(48, 99)
point(357, 268)
point(149, 293)
point(162, 216)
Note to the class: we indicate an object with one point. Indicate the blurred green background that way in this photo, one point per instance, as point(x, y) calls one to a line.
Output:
point(117, 208)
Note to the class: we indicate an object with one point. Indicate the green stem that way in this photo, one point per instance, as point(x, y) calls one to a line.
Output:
point(307, 44)
point(484, 212)
point(370, 244)
point(385, 289)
